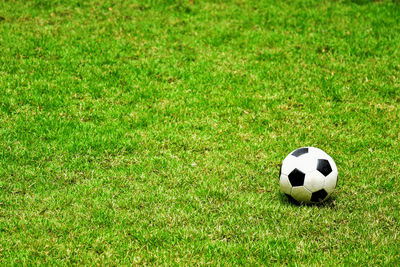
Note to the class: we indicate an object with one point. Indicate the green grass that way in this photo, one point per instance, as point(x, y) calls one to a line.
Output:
point(151, 132)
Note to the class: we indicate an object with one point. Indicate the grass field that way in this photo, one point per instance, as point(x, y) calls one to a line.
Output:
point(152, 132)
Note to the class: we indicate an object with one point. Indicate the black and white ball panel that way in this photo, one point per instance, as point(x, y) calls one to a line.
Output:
point(301, 194)
point(314, 181)
point(319, 196)
point(304, 163)
point(300, 151)
point(324, 167)
point(286, 187)
point(328, 168)
point(331, 181)
point(296, 177)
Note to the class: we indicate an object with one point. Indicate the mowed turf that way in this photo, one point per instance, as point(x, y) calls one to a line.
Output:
point(151, 132)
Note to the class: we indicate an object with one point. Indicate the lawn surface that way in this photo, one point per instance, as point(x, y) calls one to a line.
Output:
point(151, 132)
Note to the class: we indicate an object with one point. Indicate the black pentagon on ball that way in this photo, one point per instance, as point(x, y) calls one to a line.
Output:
point(296, 177)
point(324, 167)
point(300, 151)
point(318, 196)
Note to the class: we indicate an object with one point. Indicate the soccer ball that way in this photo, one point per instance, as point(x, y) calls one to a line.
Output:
point(308, 175)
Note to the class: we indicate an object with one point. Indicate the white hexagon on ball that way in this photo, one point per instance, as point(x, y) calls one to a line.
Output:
point(308, 175)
